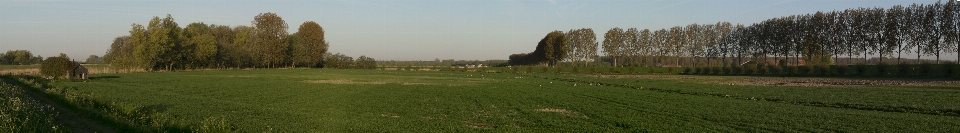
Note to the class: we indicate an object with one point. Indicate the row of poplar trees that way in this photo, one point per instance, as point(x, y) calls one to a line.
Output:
point(923, 30)
point(163, 45)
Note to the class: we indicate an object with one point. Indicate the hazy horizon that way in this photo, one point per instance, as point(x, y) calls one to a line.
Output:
point(389, 30)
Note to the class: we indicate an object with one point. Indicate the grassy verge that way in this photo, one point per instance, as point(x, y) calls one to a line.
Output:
point(119, 116)
point(19, 113)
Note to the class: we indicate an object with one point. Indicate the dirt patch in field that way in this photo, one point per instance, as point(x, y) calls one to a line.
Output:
point(562, 112)
point(390, 115)
point(785, 81)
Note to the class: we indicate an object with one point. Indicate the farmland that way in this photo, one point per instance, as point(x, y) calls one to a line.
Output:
point(332, 100)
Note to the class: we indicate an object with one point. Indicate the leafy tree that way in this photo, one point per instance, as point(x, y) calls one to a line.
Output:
point(55, 66)
point(17, 57)
point(313, 44)
point(199, 47)
point(271, 35)
point(94, 59)
point(555, 50)
point(613, 42)
point(364, 62)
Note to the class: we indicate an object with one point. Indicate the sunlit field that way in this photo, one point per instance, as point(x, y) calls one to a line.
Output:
point(331, 100)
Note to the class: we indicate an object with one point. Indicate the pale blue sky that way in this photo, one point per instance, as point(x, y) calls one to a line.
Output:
point(387, 30)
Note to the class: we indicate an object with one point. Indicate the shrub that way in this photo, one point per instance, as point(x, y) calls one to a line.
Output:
point(593, 70)
point(612, 70)
point(717, 70)
point(545, 69)
point(823, 69)
point(669, 70)
point(950, 69)
point(530, 69)
point(764, 70)
point(925, 68)
point(860, 69)
point(903, 69)
point(807, 69)
point(792, 70)
point(882, 69)
point(728, 70)
point(738, 69)
point(55, 67)
point(841, 70)
point(576, 69)
point(687, 70)
point(632, 69)
point(704, 70)
point(750, 69)
point(776, 70)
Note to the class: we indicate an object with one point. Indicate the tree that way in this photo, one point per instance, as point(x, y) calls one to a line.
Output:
point(950, 27)
point(314, 43)
point(555, 49)
point(613, 42)
point(271, 35)
point(54, 66)
point(17, 57)
point(93, 59)
point(364, 62)
point(199, 47)
point(224, 36)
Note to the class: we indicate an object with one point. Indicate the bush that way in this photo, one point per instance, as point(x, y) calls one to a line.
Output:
point(612, 70)
point(750, 69)
point(738, 69)
point(882, 69)
point(841, 70)
point(576, 69)
point(687, 70)
point(925, 69)
point(704, 70)
point(860, 69)
point(807, 69)
point(728, 70)
point(776, 70)
point(593, 70)
point(55, 67)
point(823, 69)
point(903, 69)
point(792, 70)
point(530, 69)
point(717, 70)
point(950, 70)
point(764, 70)
point(545, 69)
point(632, 69)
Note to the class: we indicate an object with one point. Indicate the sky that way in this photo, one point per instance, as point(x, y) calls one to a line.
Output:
point(388, 29)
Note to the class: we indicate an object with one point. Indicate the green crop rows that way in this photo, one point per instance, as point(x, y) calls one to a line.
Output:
point(325, 100)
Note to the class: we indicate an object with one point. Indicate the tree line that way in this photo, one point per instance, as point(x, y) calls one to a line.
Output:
point(164, 45)
point(819, 39)
point(19, 57)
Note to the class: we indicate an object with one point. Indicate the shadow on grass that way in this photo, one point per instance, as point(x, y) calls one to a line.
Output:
point(104, 77)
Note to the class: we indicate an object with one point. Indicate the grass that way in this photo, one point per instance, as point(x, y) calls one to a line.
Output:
point(325, 100)
point(20, 113)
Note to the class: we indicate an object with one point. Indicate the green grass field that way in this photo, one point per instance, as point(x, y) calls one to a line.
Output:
point(329, 100)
